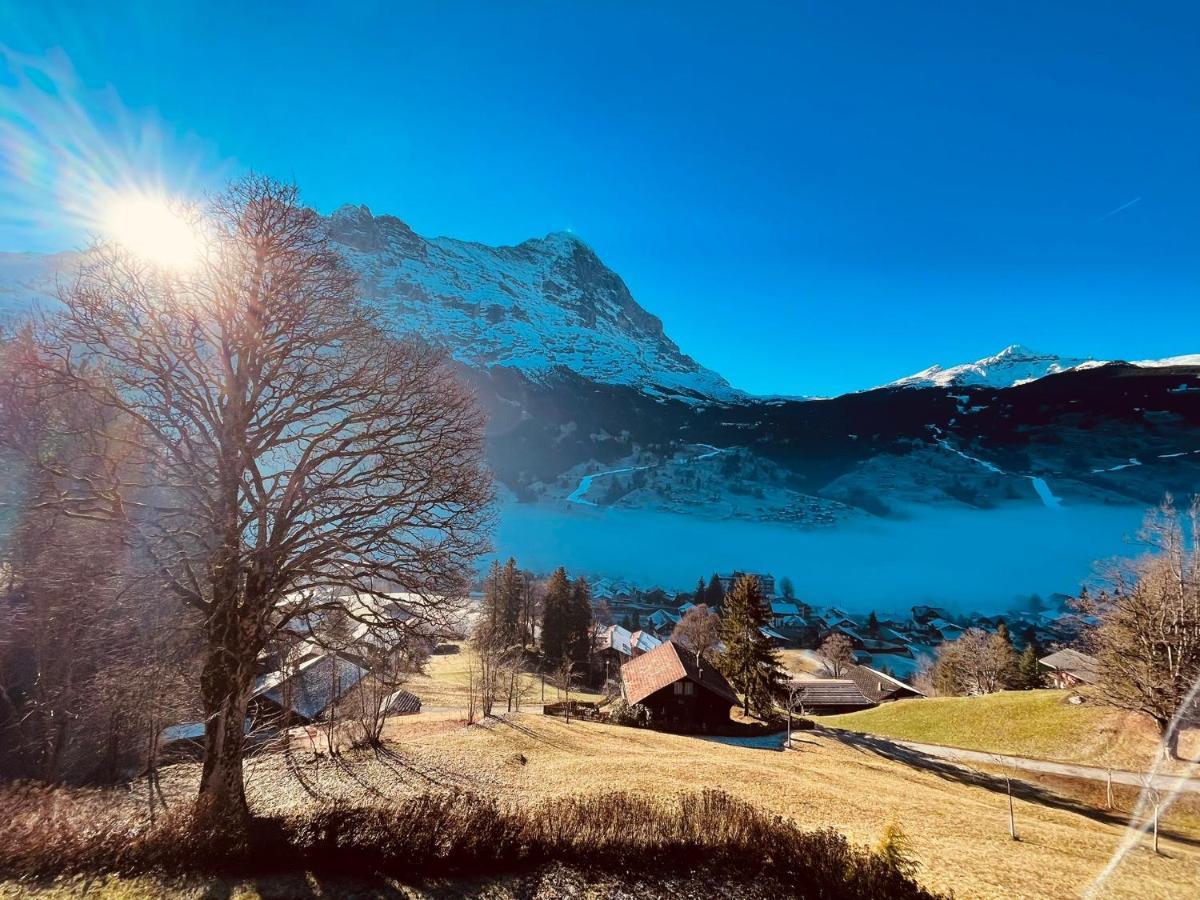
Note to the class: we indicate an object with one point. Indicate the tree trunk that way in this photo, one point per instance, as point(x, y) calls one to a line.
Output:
point(1170, 739)
point(224, 689)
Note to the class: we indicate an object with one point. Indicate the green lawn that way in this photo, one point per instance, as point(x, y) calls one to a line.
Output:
point(1023, 723)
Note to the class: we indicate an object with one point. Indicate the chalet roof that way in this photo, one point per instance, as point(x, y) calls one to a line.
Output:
point(312, 687)
point(825, 692)
point(784, 608)
point(614, 637)
point(666, 664)
point(644, 641)
point(1074, 663)
point(876, 686)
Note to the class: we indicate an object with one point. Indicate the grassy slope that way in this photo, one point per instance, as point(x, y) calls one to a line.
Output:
point(446, 678)
point(1024, 723)
point(959, 831)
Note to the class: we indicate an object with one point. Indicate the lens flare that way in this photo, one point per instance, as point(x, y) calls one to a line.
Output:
point(153, 228)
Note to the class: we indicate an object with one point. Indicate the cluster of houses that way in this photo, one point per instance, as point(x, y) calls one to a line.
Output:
point(893, 644)
point(683, 692)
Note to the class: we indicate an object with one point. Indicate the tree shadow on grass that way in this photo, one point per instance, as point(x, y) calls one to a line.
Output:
point(957, 772)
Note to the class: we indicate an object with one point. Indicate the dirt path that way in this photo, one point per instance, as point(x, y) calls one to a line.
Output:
point(920, 755)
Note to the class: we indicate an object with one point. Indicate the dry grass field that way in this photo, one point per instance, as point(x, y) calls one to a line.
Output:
point(958, 828)
point(1040, 724)
point(445, 683)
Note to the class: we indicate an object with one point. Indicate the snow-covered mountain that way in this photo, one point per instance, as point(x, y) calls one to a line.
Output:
point(545, 304)
point(1011, 366)
point(1016, 365)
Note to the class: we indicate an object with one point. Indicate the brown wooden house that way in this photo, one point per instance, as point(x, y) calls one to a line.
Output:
point(681, 693)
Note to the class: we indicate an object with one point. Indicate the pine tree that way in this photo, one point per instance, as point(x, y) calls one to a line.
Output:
point(714, 596)
point(787, 588)
point(580, 622)
point(749, 661)
point(511, 601)
point(701, 598)
point(489, 614)
point(872, 624)
point(556, 618)
point(1029, 673)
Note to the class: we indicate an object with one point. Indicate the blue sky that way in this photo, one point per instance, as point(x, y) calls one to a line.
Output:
point(814, 197)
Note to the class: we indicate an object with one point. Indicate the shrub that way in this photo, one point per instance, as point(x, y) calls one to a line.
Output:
point(48, 832)
point(621, 712)
point(895, 849)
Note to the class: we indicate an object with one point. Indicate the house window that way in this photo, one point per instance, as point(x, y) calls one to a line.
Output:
point(684, 689)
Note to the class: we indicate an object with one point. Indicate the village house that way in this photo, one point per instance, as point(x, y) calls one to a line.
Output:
point(1070, 668)
point(879, 687)
point(681, 692)
point(766, 583)
point(828, 696)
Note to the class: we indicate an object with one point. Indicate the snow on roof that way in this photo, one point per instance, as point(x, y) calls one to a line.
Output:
point(784, 608)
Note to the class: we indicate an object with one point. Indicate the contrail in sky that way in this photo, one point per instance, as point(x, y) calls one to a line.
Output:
point(1123, 206)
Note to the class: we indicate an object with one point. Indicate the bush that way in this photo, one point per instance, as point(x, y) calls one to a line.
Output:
point(620, 712)
point(51, 832)
point(895, 849)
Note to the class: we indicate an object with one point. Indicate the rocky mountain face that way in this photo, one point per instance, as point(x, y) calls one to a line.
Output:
point(545, 305)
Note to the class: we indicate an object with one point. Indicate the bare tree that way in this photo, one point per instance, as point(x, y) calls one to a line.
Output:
point(699, 631)
point(976, 663)
point(294, 458)
point(1148, 641)
point(837, 652)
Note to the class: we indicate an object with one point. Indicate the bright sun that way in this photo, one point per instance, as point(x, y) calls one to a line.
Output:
point(149, 226)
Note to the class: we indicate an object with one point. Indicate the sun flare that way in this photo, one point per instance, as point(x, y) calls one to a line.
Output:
point(153, 228)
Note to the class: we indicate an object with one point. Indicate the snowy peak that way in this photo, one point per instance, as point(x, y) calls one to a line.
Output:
point(545, 304)
point(1013, 365)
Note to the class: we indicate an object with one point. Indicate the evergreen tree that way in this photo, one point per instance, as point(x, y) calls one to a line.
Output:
point(872, 624)
point(787, 588)
point(556, 618)
point(1029, 673)
point(627, 622)
point(579, 622)
point(714, 596)
point(635, 623)
point(749, 661)
point(511, 602)
point(701, 598)
point(489, 614)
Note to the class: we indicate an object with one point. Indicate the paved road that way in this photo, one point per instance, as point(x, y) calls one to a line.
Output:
point(915, 753)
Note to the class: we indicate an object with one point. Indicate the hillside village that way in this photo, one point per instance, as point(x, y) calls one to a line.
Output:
point(889, 643)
